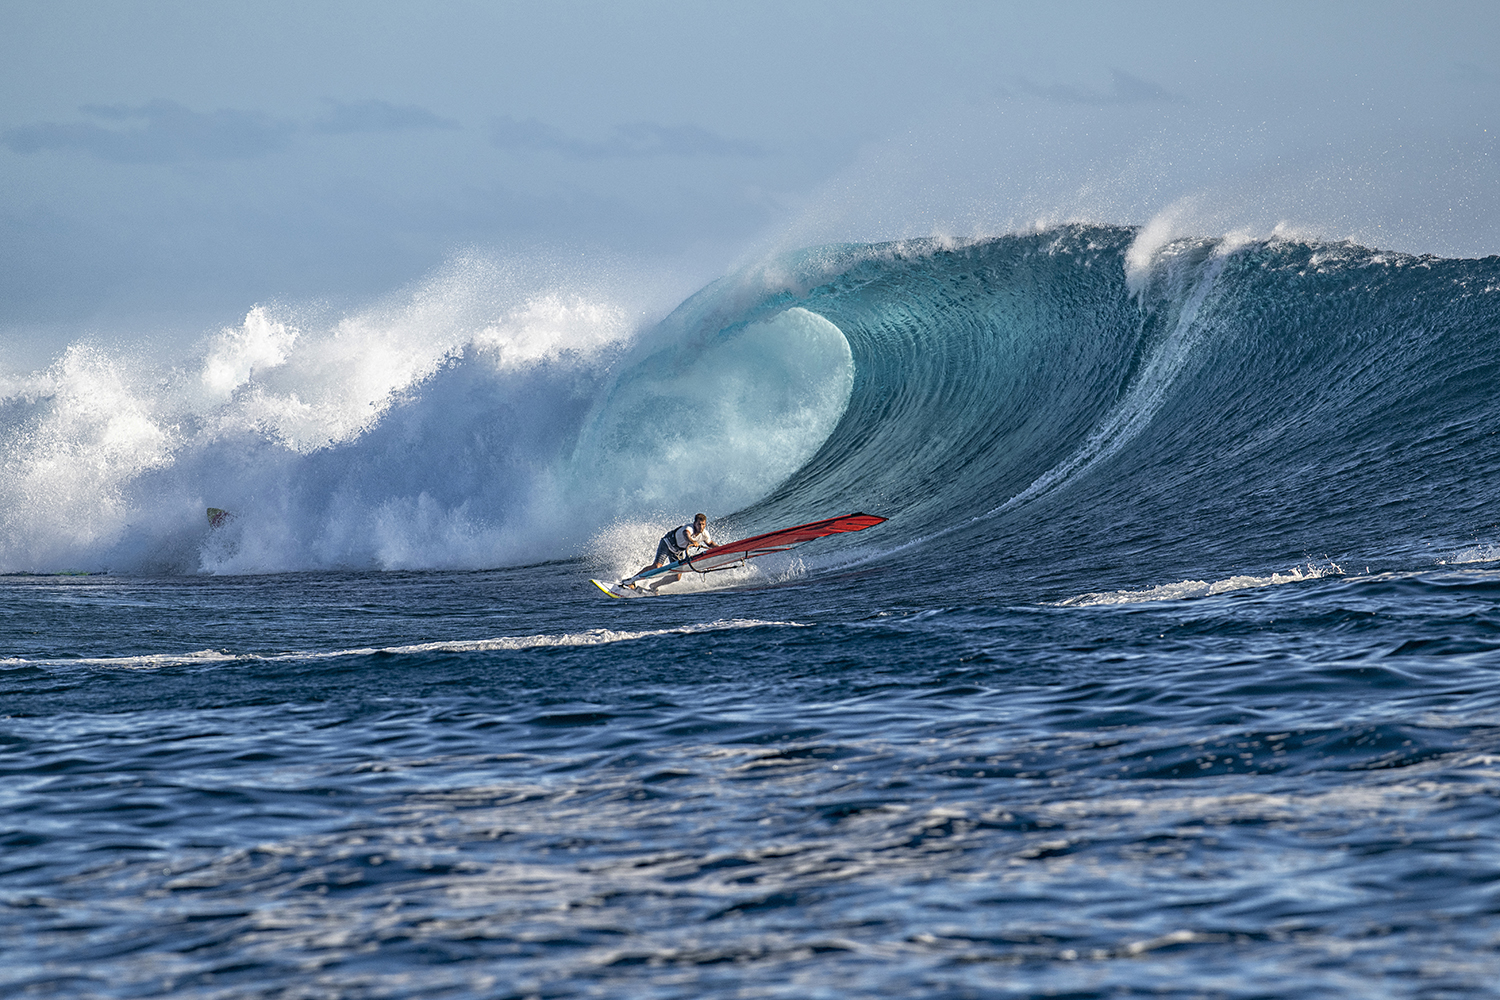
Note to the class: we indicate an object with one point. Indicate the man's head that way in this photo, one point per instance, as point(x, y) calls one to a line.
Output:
point(699, 520)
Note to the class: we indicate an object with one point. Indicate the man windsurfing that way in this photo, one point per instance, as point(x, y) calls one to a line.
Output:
point(673, 547)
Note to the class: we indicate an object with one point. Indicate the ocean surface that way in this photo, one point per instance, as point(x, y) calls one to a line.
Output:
point(1175, 671)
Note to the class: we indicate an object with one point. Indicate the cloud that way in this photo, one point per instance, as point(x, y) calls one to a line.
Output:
point(159, 131)
point(1125, 88)
point(379, 116)
point(641, 139)
point(163, 131)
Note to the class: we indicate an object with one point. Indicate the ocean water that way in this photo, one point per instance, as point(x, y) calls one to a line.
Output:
point(1175, 671)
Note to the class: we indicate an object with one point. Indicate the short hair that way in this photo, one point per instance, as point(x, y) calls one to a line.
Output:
point(700, 517)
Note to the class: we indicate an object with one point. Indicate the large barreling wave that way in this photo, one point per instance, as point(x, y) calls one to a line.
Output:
point(1070, 407)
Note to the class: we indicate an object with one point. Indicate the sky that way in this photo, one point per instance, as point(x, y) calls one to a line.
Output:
point(166, 166)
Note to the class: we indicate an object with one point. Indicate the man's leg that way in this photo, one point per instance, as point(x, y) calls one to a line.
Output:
point(663, 582)
point(663, 556)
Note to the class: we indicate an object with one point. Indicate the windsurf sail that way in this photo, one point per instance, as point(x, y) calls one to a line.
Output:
point(734, 554)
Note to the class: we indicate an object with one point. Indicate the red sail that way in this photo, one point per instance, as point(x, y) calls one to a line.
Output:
point(723, 556)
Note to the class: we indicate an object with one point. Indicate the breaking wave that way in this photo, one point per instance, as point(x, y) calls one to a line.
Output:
point(1088, 409)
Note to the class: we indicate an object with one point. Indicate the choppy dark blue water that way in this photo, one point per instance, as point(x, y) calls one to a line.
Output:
point(1175, 671)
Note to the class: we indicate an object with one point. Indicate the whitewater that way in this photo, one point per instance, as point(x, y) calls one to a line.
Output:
point(1172, 671)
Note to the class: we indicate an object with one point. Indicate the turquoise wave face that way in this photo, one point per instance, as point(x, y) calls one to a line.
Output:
point(713, 421)
point(1023, 408)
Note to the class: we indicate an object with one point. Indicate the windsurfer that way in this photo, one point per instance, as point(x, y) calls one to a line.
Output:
point(673, 547)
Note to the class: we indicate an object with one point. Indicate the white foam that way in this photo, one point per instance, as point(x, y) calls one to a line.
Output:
point(1476, 553)
point(148, 661)
point(1162, 229)
point(235, 354)
point(311, 389)
point(1187, 589)
point(591, 637)
point(1184, 223)
point(438, 429)
point(88, 426)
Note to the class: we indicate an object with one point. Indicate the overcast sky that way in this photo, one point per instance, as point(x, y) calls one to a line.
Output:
point(166, 166)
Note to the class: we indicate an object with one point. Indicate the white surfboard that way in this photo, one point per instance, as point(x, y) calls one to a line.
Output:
point(615, 590)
